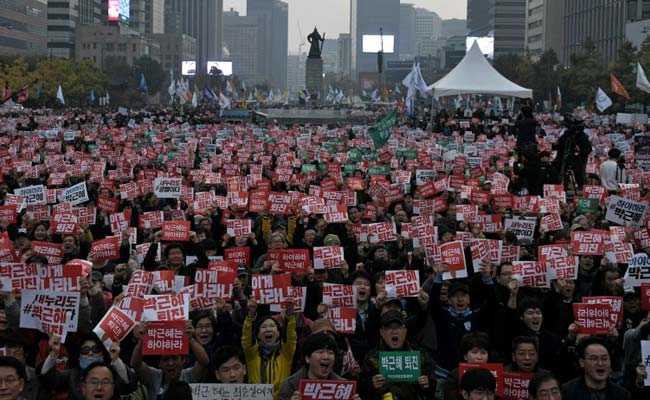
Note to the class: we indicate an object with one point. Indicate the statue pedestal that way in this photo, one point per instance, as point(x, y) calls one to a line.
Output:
point(314, 78)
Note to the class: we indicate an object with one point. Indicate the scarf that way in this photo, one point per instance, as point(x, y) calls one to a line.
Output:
point(462, 315)
point(268, 349)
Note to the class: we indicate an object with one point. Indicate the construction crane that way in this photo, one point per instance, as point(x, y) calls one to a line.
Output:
point(302, 39)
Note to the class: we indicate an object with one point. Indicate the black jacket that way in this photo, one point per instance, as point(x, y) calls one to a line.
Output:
point(577, 390)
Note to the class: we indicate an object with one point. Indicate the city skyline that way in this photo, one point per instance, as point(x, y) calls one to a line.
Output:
point(333, 16)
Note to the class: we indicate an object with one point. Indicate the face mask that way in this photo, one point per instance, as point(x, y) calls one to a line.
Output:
point(85, 363)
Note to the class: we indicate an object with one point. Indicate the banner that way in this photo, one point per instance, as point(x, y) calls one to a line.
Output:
point(593, 319)
point(623, 211)
point(106, 249)
point(327, 389)
point(166, 307)
point(231, 391)
point(328, 257)
point(76, 194)
point(113, 327)
point(167, 188)
point(176, 231)
point(50, 312)
point(638, 271)
point(238, 227)
point(400, 366)
point(32, 195)
point(270, 289)
point(165, 337)
point(337, 295)
point(402, 283)
point(344, 319)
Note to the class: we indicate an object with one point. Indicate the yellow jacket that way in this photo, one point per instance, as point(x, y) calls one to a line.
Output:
point(278, 365)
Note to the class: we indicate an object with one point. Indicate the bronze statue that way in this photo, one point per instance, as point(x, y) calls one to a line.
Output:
point(316, 47)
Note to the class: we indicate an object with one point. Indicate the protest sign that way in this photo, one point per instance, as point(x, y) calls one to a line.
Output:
point(9, 214)
point(551, 222)
point(495, 369)
point(108, 204)
point(166, 307)
point(532, 273)
point(336, 215)
point(106, 249)
point(619, 252)
point(565, 267)
point(231, 391)
point(151, 220)
point(645, 296)
point(344, 319)
point(64, 223)
point(32, 195)
point(638, 270)
point(515, 385)
point(270, 289)
point(337, 295)
point(238, 227)
point(453, 254)
point(238, 255)
point(114, 326)
point(624, 211)
point(380, 232)
point(328, 257)
point(85, 215)
point(176, 231)
point(400, 366)
point(402, 283)
point(52, 251)
point(522, 228)
point(60, 278)
point(165, 337)
point(588, 242)
point(132, 306)
point(167, 188)
point(290, 260)
point(75, 194)
point(614, 302)
point(327, 389)
point(17, 276)
point(50, 312)
point(593, 319)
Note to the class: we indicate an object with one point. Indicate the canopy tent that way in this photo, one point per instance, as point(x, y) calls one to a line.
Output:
point(474, 74)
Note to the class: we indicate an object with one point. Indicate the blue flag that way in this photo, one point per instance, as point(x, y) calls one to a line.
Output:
point(39, 91)
point(143, 83)
point(209, 95)
point(92, 95)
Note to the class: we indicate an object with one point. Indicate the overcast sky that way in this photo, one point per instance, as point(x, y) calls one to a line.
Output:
point(333, 16)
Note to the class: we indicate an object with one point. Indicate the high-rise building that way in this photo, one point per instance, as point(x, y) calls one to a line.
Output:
point(154, 16)
point(296, 70)
point(367, 17)
point(273, 19)
point(453, 27)
point(330, 55)
point(509, 26)
point(202, 20)
point(23, 27)
point(174, 49)
point(345, 53)
point(101, 42)
point(479, 17)
point(505, 21)
point(544, 27)
point(241, 38)
point(137, 15)
point(91, 11)
point(406, 36)
point(62, 19)
point(601, 21)
point(428, 27)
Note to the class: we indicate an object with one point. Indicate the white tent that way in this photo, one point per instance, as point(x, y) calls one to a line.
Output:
point(474, 74)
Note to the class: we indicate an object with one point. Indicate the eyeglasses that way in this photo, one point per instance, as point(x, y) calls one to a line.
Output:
point(97, 382)
point(8, 381)
point(595, 359)
point(85, 350)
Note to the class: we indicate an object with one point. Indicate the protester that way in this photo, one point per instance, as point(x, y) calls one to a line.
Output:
point(13, 377)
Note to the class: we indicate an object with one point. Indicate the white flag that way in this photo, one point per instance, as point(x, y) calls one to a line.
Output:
point(59, 95)
point(195, 101)
point(641, 80)
point(603, 102)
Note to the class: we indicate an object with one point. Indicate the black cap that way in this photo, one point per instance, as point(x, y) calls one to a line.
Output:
point(22, 232)
point(455, 287)
point(389, 317)
point(396, 300)
point(478, 378)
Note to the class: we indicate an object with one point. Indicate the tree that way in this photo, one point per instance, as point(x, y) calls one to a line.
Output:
point(153, 74)
point(545, 76)
point(514, 67)
point(585, 75)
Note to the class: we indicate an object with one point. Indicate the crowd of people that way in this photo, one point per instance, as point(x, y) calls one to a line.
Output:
point(468, 327)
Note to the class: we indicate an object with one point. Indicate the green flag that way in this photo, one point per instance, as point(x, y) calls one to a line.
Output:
point(380, 132)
